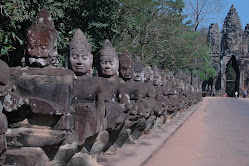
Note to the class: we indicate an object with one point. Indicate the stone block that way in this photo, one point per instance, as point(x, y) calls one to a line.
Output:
point(27, 157)
point(3, 123)
point(3, 144)
point(87, 121)
point(47, 91)
point(66, 122)
point(31, 137)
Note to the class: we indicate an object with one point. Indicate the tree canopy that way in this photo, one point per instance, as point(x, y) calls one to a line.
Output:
point(151, 29)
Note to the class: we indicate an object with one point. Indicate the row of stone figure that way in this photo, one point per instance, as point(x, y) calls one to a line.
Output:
point(63, 117)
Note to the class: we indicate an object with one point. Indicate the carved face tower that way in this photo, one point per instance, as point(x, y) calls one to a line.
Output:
point(81, 59)
point(108, 60)
point(42, 41)
point(126, 66)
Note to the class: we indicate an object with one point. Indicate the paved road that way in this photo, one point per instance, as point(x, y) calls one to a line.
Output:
point(217, 134)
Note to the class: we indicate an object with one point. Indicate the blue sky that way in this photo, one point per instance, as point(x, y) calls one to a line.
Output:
point(241, 6)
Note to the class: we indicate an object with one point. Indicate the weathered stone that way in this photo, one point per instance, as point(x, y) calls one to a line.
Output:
point(3, 123)
point(47, 91)
point(228, 45)
point(4, 81)
point(214, 37)
point(31, 137)
point(90, 95)
point(114, 115)
point(80, 159)
point(64, 154)
point(138, 70)
point(66, 122)
point(42, 41)
point(3, 144)
point(4, 78)
point(125, 66)
point(39, 119)
point(80, 57)
point(109, 62)
point(232, 22)
point(27, 156)
point(87, 121)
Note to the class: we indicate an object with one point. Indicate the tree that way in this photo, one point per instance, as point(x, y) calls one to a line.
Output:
point(152, 29)
point(155, 31)
point(202, 10)
point(97, 19)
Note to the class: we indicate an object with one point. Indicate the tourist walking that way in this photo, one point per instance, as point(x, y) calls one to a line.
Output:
point(245, 94)
point(236, 94)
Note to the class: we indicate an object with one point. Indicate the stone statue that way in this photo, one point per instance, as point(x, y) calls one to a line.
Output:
point(144, 96)
point(42, 42)
point(39, 100)
point(90, 95)
point(115, 111)
point(148, 74)
point(80, 57)
point(108, 60)
point(161, 97)
point(134, 124)
point(126, 66)
point(4, 81)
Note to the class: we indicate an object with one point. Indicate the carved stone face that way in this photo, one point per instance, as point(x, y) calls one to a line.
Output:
point(138, 76)
point(38, 49)
point(232, 41)
point(157, 79)
point(109, 65)
point(126, 71)
point(148, 74)
point(81, 61)
point(42, 41)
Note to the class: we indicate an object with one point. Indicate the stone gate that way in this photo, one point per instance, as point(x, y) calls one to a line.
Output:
point(229, 49)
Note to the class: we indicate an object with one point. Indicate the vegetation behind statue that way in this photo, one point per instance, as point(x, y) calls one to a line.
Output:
point(156, 34)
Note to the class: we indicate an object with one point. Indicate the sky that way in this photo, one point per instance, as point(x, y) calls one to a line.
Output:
point(242, 8)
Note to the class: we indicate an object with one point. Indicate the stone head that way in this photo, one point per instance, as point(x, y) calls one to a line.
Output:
point(157, 78)
point(4, 81)
point(42, 41)
point(182, 85)
point(125, 66)
point(232, 41)
point(138, 70)
point(148, 74)
point(109, 62)
point(80, 59)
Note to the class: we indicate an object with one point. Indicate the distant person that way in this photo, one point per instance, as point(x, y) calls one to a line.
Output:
point(226, 95)
point(245, 94)
point(236, 94)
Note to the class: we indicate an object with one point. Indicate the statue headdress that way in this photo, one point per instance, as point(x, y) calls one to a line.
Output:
point(108, 50)
point(79, 41)
point(156, 71)
point(44, 24)
point(138, 65)
point(125, 58)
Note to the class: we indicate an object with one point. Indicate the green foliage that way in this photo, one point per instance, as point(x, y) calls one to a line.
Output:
point(152, 29)
point(97, 19)
point(230, 72)
point(155, 31)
